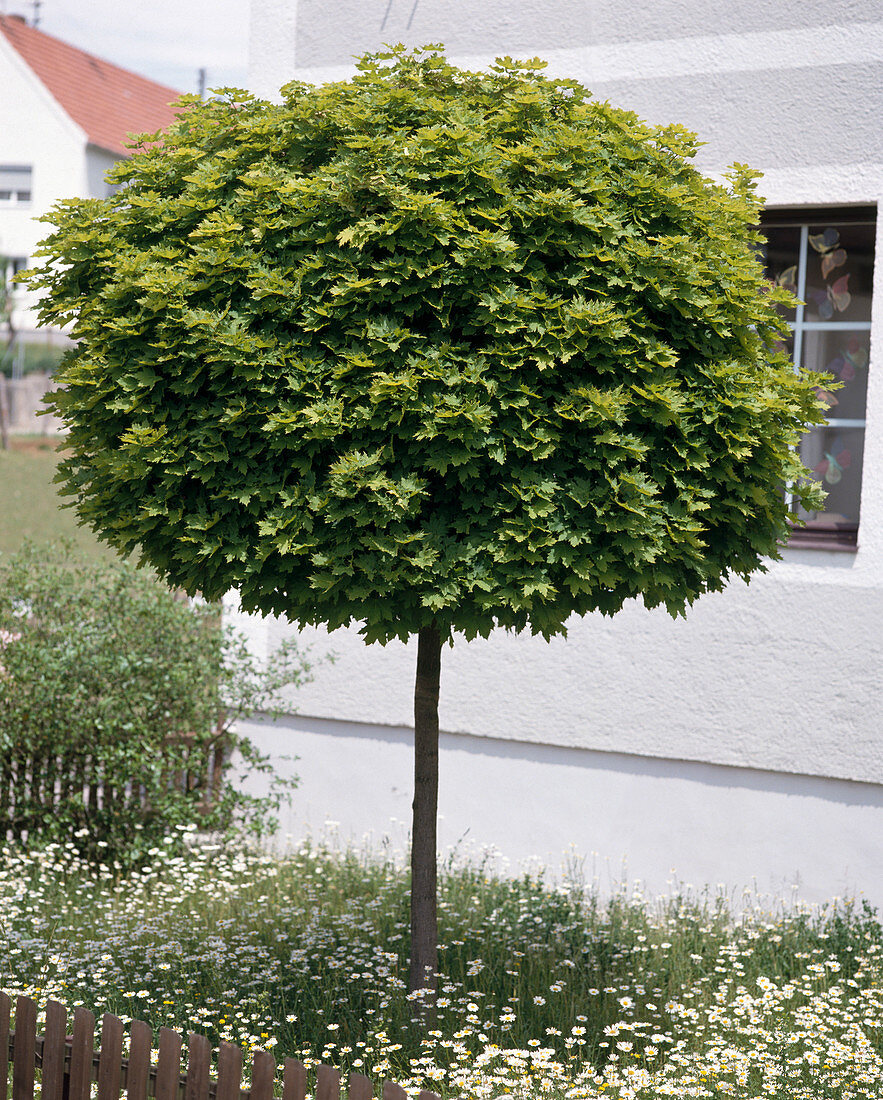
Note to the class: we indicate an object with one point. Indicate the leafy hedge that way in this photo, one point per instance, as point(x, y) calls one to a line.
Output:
point(109, 680)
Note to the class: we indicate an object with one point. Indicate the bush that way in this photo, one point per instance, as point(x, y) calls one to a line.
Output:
point(112, 684)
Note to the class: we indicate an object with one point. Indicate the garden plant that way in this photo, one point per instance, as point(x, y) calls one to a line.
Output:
point(106, 673)
point(545, 991)
point(429, 350)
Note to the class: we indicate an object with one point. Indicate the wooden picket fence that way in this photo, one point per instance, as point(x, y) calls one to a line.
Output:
point(69, 1064)
point(34, 785)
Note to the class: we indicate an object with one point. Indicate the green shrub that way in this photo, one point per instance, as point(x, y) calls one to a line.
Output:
point(111, 682)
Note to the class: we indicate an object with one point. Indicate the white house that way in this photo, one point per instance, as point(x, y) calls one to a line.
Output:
point(744, 744)
point(65, 116)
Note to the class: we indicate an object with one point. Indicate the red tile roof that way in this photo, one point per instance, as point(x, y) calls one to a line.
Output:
point(106, 101)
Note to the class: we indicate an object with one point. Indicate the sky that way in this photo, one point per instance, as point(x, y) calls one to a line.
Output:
point(166, 40)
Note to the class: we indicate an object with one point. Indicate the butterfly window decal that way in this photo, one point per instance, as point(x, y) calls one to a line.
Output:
point(851, 358)
point(788, 279)
point(832, 261)
point(826, 397)
point(834, 463)
point(827, 244)
point(835, 296)
point(855, 355)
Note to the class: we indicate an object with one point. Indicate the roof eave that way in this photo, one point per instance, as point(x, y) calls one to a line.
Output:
point(120, 154)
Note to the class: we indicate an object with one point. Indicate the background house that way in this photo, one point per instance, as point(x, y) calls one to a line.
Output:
point(745, 744)
point(65, 117)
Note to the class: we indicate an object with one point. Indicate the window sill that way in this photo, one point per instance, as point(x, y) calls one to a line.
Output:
point(839, 539)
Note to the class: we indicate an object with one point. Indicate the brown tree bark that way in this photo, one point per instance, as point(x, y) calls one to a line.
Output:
point(424, 911)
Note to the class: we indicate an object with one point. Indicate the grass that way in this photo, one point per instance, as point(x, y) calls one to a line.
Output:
point(544, 991)
point(33, 357)
point(30, 507)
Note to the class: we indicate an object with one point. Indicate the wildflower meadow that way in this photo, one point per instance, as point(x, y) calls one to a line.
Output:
point(545, 990)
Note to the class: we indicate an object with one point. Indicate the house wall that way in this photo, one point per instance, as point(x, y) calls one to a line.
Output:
point(774, 689)
point(34, 131)
point(610, 816)
point(98, 163)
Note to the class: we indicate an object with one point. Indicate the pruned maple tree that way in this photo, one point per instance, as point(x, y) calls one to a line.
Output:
point(429, 350)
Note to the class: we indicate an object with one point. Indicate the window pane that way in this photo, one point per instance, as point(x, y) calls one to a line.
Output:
point(835, 457)
point(15, 177)
point(843, 355)
point(780, 258)
point(839, 272)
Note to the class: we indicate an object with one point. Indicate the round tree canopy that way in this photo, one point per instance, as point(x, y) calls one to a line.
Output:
point(426, 347)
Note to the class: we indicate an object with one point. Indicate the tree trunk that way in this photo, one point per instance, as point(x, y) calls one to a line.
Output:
point(424, 915)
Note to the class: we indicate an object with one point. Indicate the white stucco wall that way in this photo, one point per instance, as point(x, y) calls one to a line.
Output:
point(610, 815)
point(783, 674)
point(780, 678)
point(34, 131)
point(98, 163)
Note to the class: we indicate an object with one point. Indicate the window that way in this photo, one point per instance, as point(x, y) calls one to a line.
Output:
point(826, 258)
point(15, 184)
point(10, 267)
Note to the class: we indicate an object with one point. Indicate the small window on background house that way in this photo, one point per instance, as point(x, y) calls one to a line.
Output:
point(10, 267)
point(15, 184)
point(826, 258)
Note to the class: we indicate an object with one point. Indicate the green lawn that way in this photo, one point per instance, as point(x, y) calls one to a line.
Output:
point(29, 504)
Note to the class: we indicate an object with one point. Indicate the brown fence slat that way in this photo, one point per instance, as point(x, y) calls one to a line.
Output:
point(72, 1080)
point(50, 778)
point(5, 814)
point(24, 1049)
point(5, 1005)
point(263, 1075)
point(39, 780)
point(294, 1080)
point(90, 799)
point(138, 1069)
point(110, 1061)
point(81, 1055)
point(359, 1087)
point(168, 1069)
point(68, 774)
point(199, 1057)
point(55, 1032)
point(229, 1072)
point(327, 1083)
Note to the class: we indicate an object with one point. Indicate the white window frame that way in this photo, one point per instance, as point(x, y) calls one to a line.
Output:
point(812, 537)
point(16, 185)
